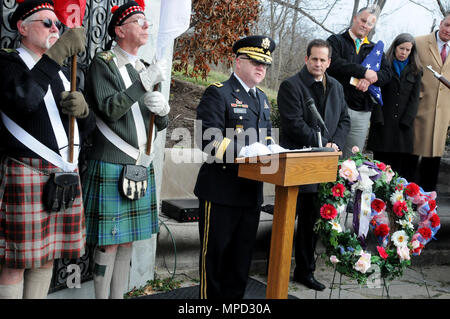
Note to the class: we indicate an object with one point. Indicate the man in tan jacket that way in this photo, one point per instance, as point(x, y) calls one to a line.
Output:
point(433, 117)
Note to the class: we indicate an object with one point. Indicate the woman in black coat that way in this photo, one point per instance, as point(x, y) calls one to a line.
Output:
point(391, 131)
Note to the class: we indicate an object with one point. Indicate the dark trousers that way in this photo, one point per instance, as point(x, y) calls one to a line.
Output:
point(427, 171)
point(227, 237)
point(305, 238)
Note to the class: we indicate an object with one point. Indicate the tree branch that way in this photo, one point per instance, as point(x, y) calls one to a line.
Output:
point(306, 14)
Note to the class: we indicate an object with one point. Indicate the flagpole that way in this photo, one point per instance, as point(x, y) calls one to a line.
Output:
point(171, 13)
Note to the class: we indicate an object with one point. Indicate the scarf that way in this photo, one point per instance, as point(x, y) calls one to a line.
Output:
point(399, 65)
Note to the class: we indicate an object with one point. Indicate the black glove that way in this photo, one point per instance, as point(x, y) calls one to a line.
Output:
point(70, 43)
point(73, 103)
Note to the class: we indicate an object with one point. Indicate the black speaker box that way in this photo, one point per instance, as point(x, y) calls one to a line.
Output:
point(182, 210)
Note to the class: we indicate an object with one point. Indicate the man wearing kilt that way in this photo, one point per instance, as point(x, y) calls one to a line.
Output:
point(35, 113)
point(120, 89)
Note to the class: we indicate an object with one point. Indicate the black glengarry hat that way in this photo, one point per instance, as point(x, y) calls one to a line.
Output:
point(256, 47)
point(120, 14)
point(26, 8)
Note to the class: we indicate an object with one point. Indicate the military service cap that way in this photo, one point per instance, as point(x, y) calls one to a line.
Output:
point(256, 47)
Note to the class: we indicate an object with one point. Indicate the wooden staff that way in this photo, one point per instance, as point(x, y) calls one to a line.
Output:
point(73, 88)
point(157, 87)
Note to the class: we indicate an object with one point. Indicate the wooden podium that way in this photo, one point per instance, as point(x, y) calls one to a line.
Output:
point(287, 171)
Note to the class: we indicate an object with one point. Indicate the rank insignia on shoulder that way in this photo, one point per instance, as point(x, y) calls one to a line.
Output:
point(218, 84)
point(106, 55)
point(260, 89)
point(9, 50)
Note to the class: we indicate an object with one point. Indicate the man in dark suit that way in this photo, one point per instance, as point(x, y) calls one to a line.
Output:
point(233, 122)
point(350, 48)
point(299, 128)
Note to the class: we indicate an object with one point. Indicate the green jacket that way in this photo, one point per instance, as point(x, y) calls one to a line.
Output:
point(111, 101)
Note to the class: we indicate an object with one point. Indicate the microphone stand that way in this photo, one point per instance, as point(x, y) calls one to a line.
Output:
point(319, 136)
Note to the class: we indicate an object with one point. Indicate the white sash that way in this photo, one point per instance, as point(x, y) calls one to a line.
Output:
point(32, 143)
point(138, 154)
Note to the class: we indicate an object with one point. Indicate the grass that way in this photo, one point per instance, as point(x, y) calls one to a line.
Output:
point(156, 285)
point(215, 76)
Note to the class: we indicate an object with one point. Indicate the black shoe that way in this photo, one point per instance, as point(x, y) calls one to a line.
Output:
point(310, 282)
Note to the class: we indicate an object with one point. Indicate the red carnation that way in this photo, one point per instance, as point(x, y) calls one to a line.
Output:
point(432, 204)
point(425, 232)
point(328, 211)
point(382, 252)
point(435, 220)
point(399, 187)
point(338, 190)
point(399, 208)
point(418, 249)
point(412, 189)
point(382, 230)
point(113, 9)
point(378, 205)
point(381, 166)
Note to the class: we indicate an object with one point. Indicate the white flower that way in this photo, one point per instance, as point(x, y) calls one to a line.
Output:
point(396, 196)
point(334, 260)
point(403, 253)
point(363, 263)
point(415, 244)
point(336, 226)
point(355, 149)
point(405, 223)
point(348, 171)
point(400, 238)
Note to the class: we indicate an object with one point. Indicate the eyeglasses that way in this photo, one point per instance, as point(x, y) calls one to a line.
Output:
point(141, 22)
point(256, 63)
point(48, 23)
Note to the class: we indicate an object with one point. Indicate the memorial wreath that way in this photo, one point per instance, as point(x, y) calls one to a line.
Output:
point(381, 203)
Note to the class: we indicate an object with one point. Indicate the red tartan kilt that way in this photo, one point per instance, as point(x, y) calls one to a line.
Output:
point(29, 235)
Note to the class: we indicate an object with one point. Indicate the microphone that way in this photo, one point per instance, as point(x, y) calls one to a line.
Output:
point(312, 108)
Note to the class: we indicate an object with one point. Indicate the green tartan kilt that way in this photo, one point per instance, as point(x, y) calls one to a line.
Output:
point(110, 217)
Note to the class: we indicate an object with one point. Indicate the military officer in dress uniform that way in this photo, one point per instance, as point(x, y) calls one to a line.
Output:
point(235, 117)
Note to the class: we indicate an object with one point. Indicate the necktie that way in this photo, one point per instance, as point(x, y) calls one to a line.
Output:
point(358, 44)
point(252, 93)
point(444, 52)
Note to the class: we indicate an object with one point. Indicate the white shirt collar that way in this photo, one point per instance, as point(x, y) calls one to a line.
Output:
point(127, 56)
point(35, 57)
point(246, 87)
point(440, 43)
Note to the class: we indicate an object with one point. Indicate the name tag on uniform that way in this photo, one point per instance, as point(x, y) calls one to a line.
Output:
point(240, 110)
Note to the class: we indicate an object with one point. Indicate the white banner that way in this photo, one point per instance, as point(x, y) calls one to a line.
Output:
point(174, 19)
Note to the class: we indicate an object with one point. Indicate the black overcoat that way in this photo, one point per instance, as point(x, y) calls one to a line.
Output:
point(298, 125)
point(391, 128)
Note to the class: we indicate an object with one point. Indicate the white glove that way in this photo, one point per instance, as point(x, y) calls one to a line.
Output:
point(156, 103)
point(255, 149)
point(275, 148)
point(154, 74)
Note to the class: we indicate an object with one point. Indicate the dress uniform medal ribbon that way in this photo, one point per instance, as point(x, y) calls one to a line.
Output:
point(239, 107)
